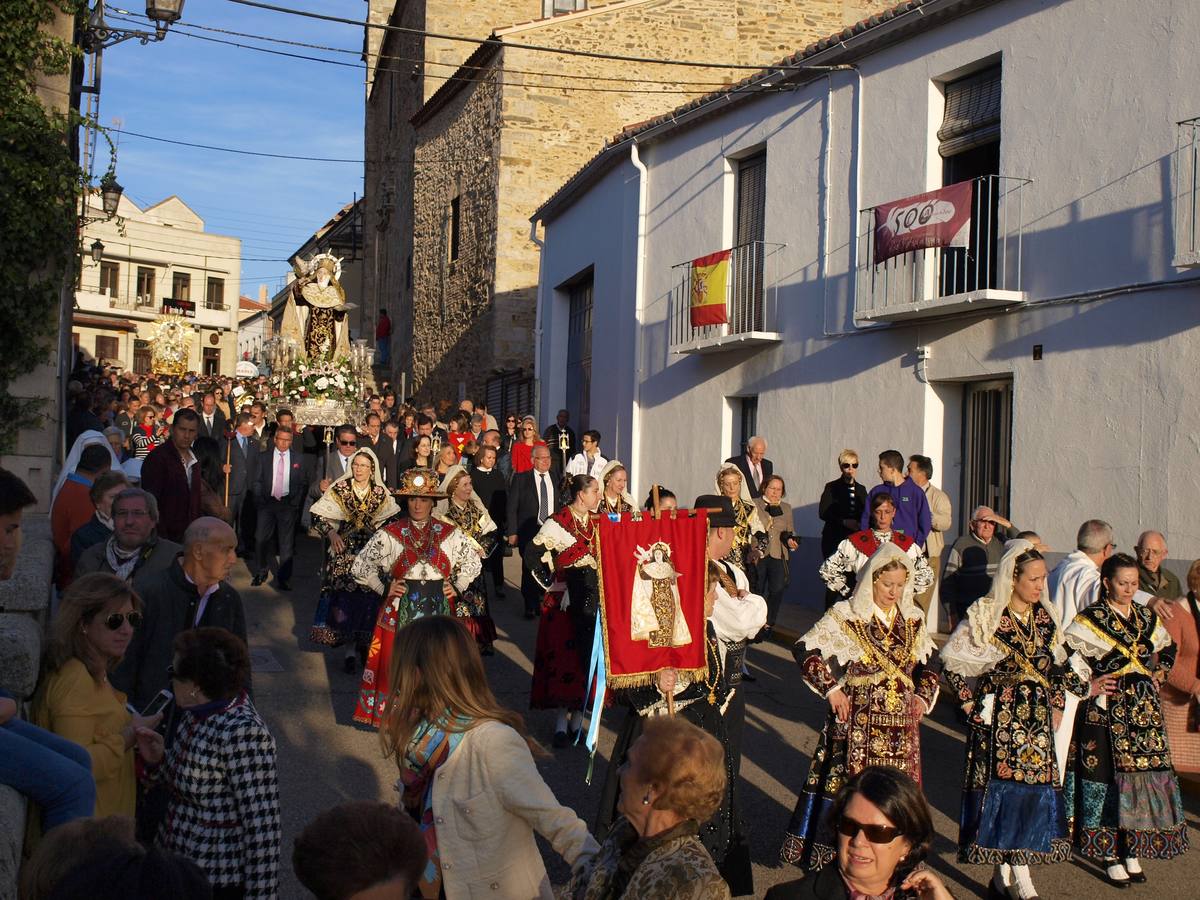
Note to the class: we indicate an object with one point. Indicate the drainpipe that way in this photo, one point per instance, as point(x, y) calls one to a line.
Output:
point(639, 299)
point(537, 323)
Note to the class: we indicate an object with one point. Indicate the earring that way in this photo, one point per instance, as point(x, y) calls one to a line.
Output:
point(646, 799)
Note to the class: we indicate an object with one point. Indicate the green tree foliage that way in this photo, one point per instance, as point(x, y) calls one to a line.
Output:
point(40, 187)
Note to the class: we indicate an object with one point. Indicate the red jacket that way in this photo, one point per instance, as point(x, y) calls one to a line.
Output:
point(384, 328)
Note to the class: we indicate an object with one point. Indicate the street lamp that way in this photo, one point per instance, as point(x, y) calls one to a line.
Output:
point(97, 250)
point(98, 35)
point(110, 194)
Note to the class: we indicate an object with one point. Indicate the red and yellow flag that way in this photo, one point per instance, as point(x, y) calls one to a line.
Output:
point(710, 274)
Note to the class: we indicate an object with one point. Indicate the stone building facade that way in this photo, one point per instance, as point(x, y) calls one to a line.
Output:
point(459, 158)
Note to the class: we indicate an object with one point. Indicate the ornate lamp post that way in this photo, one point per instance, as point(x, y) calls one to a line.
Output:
point(98, 34)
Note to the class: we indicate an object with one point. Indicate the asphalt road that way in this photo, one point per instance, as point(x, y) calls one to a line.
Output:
point(324, 758)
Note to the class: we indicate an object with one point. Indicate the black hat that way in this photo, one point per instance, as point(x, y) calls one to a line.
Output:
point(722, 519)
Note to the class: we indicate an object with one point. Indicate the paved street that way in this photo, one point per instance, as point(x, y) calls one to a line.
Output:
point(324, 758)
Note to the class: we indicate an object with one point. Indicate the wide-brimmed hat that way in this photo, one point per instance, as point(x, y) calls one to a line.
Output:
point(420, 483)
point(723, 519)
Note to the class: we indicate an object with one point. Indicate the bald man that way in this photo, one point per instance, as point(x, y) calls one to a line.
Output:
point(1153, 578)
point(190, 593)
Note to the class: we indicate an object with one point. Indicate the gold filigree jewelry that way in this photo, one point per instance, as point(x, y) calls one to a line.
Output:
point(710, 679)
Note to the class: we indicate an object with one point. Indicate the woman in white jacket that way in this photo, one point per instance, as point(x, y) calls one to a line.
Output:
point(467, 773)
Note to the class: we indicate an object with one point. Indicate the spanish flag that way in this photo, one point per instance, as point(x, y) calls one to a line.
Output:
point(710, 274)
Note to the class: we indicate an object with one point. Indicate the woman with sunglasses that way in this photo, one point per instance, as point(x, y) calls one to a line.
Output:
point(94, 625)
point(841, 506)
point(1006, 664)
point(223, 812)
point(883, 833)
point(510, 435)
point(867, 657)
point(522, 448)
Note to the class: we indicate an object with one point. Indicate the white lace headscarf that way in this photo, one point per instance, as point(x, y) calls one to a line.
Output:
point(86, 439)
point(330, 509)
point(831, 639)
point(756, 524)
point(970, 651)
point(612, 466)
point(449, 482)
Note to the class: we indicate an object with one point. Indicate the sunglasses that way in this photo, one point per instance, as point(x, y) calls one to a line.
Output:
point(876, 834)
point(849, 465)
point(348, 443)
point(116, 620)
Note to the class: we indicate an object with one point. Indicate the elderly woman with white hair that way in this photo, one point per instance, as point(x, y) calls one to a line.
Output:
point(867, 657)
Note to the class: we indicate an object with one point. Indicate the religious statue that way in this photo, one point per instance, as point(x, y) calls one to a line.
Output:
point(169, 340)
point(318, 294)
point(656, 616)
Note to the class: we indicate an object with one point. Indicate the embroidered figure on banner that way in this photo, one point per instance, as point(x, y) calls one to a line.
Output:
point(656, 615)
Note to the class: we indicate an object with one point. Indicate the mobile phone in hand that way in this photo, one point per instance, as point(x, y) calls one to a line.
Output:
point(160, 702)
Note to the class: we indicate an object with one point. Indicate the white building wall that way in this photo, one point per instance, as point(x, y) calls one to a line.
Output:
point(1104, 425)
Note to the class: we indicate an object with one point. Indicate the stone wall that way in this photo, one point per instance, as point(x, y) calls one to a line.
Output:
point(24, 608)
point(545, 134)
point(457, 157)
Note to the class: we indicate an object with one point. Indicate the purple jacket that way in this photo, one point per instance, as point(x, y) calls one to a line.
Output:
point(912, 509)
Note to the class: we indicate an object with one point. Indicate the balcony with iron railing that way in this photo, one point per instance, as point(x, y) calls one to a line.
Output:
point(751, 304)
point(938, 281)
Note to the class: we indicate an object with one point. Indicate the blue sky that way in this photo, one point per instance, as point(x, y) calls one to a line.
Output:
point(194, 90)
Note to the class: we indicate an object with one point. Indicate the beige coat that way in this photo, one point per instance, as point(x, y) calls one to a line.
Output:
point(488, 800)
point(939, 516)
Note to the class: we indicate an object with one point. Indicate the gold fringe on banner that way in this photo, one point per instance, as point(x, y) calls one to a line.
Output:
point(636, 679)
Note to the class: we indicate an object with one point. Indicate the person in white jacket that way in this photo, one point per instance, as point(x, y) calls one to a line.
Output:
point(467, 773)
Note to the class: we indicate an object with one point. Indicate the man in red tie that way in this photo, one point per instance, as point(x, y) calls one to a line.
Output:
point(278, 489)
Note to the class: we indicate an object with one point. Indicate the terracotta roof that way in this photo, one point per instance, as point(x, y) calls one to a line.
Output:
point(751, 86)
point(102, 322)
point(246, 303)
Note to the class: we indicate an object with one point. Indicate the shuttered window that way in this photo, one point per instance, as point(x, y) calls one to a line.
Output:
point(972, 113)
point(751, 199)
point(750, 230)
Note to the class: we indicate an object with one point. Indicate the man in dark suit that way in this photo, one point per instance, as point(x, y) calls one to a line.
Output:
point(165, 475)
point(242, 450)
point(213, 423)
point(754, 465)
point(372, 433)
point(532, 498)
point(389, 450)
point(278, 486)
point(333, 466)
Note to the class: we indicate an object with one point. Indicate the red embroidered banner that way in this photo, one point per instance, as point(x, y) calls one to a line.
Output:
point(652, 575)
point(940, 218)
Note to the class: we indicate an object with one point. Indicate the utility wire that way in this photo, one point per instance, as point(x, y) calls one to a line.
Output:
point(150, 137)
point(565, 51)
point(462, 80)
point(450, 65)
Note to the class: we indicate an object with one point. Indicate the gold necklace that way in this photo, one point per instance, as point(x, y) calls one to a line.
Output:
point(709, 678)
point(1123, 630)
point(1026, 633)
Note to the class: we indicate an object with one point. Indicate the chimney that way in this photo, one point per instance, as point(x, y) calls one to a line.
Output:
point(262, 293)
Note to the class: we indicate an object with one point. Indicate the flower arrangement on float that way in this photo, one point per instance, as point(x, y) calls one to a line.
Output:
point(319, 382)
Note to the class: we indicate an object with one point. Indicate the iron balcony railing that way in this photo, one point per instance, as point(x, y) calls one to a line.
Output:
point(751, 301)
point(1185, 177)
point(931, 280)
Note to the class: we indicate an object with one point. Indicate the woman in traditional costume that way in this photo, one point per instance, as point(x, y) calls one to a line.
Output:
point(749, 535)
point(1122, 794)
point(347, 515)
point(614, 485)
point(840, 570)
point(867, 656)
point(1006, 664)
point(420, 565)
point(711, 698)
point(463, 508)
point(561, 557)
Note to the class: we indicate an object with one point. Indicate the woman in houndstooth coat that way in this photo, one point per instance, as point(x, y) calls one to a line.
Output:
point(224, 808)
